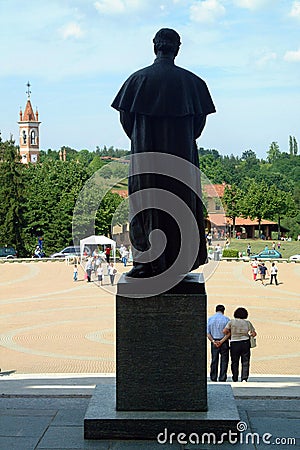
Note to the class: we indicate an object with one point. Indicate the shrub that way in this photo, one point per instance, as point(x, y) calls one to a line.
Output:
point(230, 253)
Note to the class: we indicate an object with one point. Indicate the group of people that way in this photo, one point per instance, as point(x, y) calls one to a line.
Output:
point(260, 269)
point(230, 336)
point(96, 267)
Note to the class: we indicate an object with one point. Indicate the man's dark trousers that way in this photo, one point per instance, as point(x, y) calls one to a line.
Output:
point(219, 354)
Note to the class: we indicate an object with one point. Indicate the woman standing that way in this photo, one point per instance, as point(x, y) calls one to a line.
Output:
point(240, 330)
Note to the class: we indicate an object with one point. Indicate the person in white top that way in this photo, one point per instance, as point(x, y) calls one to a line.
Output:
point(273, 273)
point(100, 275)
point(240, 330)
point(112, 273)
point(254, 265)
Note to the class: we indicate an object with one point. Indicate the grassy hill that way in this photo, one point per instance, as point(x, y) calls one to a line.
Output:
point(257, 245)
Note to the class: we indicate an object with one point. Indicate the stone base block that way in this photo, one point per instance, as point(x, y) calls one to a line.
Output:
point(161, 348)
point(103, 421)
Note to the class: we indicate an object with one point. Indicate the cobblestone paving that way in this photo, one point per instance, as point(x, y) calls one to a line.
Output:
point(50, 324)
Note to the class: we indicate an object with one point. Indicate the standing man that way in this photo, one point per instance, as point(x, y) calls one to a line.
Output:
point(163, 110)
point(219, 344)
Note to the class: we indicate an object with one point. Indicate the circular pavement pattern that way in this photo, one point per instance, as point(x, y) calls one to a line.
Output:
point(50, 324)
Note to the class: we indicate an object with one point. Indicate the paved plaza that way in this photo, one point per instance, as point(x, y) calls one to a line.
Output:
point(50, 324)
point(57, 344)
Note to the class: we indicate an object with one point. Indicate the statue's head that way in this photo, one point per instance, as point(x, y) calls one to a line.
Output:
point(166, 41)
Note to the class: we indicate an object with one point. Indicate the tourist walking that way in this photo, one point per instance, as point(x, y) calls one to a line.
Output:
point(112, 273)
point(254, 265)
point(75, 273)
point(219, 344)
point(240, 331)
point(100, 275)
point(248, 250)
point(263, 272)
point(89, 268)
point(107, 254)
point(273, 273)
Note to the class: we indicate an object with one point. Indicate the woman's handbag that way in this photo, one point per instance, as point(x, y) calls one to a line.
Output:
point(252, 338)
point(252, 342)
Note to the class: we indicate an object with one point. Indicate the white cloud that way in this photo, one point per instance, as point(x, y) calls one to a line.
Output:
point(295, 11)
point(71, 30)
point(252, 4)
point(292, 56)
point(116, 6)
point(266, 58)
point(206, 11)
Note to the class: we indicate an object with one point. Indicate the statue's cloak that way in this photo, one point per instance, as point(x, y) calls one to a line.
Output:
point(163, 109)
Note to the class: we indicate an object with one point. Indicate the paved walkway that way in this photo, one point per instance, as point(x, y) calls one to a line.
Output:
point(49, 324)
point(57, 334)
point(47, 412)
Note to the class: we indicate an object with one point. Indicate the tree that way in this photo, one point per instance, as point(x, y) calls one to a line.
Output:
point(232, 200)
point(291, 145)
point(295, 146)
point(274, 152)
point(11, 196)
point(281, 203)
point(248, 154)
point(51, 192)
point(255, 203)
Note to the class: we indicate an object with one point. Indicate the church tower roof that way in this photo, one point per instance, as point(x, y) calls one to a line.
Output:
point(29, 115)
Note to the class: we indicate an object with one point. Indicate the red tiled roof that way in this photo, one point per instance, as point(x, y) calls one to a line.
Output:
point(122, 193)
point(28, 115)
point(240, 221)
point(214, 190)
point(220, 220)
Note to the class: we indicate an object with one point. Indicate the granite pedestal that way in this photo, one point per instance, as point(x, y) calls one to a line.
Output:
point(161, 379)
point(161, 349)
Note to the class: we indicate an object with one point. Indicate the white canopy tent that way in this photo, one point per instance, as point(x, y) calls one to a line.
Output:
point(97, 240)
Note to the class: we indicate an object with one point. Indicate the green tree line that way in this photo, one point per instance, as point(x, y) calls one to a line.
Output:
point(259, 188)
point(39, 199)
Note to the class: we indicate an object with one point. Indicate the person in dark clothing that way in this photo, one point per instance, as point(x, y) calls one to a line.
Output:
point(163, 111)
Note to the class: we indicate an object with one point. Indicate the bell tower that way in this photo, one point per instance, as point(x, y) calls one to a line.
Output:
point(29, 132)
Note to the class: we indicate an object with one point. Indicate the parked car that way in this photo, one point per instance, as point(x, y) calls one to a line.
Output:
point(295, 258)
point(8, 252)
point(68, 251)
point(267, 254)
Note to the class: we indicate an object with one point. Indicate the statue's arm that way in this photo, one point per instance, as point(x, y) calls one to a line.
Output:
point(199, 124)
point(127, 120)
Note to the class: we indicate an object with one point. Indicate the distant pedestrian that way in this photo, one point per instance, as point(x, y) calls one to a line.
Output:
point(125, 256)
point(209, 239)
point(219, 344)
point(254, 265)
point(273, 273)
point(263, 272)
point(107, 254)
point(248, 250)
point(240, 330)
point(89, 268)
point(100, 275)
point(75, 273)
point(112, 273)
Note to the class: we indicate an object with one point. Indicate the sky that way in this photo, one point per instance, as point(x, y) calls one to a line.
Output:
point(77, 53)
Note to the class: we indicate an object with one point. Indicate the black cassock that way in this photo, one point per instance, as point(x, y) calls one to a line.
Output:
point(163, 109)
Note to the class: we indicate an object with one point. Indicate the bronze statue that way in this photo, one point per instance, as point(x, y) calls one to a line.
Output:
point(163, 110)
